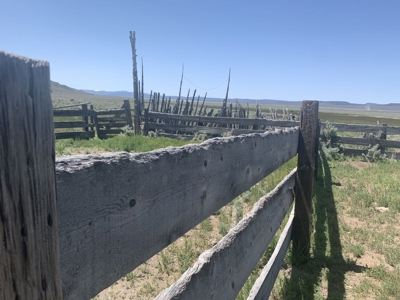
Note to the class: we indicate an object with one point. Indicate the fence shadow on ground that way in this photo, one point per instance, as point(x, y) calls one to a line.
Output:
point(326, 262)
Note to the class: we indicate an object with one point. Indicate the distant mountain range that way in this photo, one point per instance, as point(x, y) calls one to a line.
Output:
point(323, 104)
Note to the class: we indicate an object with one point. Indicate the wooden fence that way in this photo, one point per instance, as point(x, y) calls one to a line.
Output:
point(372, 135)
point(114, 211)
point(183, 124)
point(101, 123)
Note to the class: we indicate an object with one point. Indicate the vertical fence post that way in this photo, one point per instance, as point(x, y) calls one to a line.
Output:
point(304, 179)
point(146, 122)
point(128, 114)
point(132, 37)
point(85, 118)
point(91, 120)
point(382, 136)
point(29, 259)
point(316, 149)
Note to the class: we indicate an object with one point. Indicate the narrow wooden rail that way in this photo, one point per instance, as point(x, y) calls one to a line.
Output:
point(221, 271)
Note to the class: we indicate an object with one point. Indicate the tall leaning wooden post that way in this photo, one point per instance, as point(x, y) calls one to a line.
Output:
point(135, 84)
point(305, 178)
point(29, 260)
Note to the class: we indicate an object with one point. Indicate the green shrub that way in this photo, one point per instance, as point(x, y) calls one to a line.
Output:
point(374, 154)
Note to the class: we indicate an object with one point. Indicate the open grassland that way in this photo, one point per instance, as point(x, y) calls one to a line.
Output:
point(356, 237)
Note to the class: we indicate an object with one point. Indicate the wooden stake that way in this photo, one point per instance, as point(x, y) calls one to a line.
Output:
point(135, 83)
point(223, 112)
point(304, 179)
point(202, 105)
point(29, 259)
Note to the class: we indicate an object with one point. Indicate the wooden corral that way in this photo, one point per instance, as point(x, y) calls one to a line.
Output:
point(114, 211)
point(101, 123)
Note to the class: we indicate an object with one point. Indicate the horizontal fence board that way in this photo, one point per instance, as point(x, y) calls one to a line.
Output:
point(109, 131)
point(359, 152)
point(365, 128)
point(73, 113)
point(176, 136)
point(110, 112)
point(117, 210)
point(111, 119)
point(201, 129)
point(221, 120)
point(366, 142)
point(265, 282)
point(221, 271)
point(118, 125)
point(74, 135)
point(71, 124)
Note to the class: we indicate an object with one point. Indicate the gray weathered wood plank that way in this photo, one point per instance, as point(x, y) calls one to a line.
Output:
point(366, 142)
point(110, 112)
point(71, 124)
point(29, 261)
point(73, 135)
point(265, 282)
point(221, 271)
point(366, 128)
point(73, 113)
point(358, 152)
point(224, 120)
point(201, 129)
point(117, 210)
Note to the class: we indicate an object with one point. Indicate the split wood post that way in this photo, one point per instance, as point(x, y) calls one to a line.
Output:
point(128, 114)
point(146, 122)
point(304, 180)
point(29, 259)
point(382, 136)
point(85, 118)
point(132, 37)
point(91, 120)
point(316, 149)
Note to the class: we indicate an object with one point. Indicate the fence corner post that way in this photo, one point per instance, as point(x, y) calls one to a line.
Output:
point(304, 180)
point(29, 256)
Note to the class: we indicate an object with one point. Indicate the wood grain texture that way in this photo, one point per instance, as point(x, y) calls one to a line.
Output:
point(221, 271)
point(117, 210)
point(305, 178)
point(29, 261)
point(265, 282)
point(366, 142)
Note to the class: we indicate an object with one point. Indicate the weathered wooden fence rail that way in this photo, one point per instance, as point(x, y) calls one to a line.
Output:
point(208, 125)
point(380, 138)
point(115, 211)
point(124, 208)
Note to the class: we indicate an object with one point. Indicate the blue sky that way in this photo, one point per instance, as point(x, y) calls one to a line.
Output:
point(291, 50)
